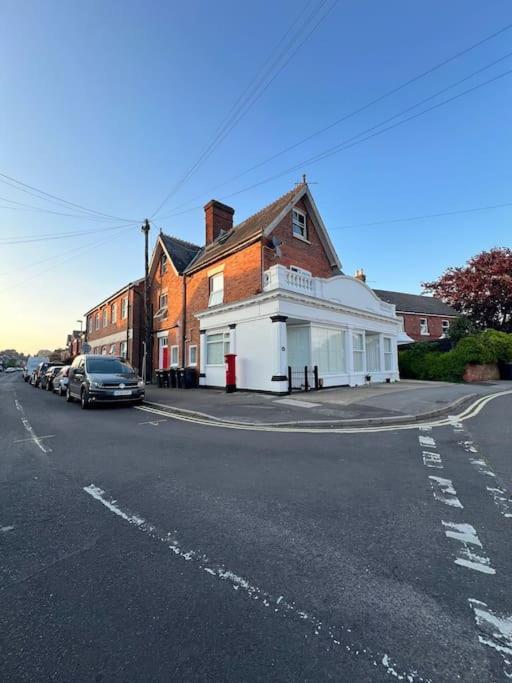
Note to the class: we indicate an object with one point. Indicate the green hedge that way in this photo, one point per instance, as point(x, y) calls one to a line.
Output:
point(422, 362)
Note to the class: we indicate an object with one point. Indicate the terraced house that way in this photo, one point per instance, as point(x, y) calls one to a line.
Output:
point(115, 326)
point(271, 290)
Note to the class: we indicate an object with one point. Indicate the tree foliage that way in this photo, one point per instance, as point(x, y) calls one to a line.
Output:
point(481, 290)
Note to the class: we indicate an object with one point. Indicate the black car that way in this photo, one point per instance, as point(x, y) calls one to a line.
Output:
point(38, 373)
point(101, 379)
point(48, 377)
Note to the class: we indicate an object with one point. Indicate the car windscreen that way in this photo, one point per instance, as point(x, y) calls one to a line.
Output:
point(108, 366)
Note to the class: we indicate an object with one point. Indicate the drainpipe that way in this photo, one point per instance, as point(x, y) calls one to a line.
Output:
point(184, 321)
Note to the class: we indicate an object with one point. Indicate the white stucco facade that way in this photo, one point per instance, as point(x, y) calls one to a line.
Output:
point(337, 324)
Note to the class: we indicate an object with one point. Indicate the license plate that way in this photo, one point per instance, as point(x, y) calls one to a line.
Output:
point(123, 392)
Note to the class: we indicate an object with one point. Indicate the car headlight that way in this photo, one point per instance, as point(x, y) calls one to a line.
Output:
point(95, 385)
point(140, 384)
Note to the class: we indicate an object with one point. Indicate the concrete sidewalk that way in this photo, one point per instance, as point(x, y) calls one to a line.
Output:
point(388, 403)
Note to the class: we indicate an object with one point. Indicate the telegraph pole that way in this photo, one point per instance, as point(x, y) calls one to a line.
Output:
point(147, 304)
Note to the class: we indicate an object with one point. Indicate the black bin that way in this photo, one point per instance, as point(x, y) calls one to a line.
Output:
point(505, 370)
point(173, 378)
point(191, 378)
point(180, 378)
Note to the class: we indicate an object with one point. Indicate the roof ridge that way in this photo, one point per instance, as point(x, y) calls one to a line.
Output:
point(265, 208)
point(182, 241)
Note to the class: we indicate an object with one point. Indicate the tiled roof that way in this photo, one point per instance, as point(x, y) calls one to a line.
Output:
point(415, 303)
point(181, 252)
point(249, 229)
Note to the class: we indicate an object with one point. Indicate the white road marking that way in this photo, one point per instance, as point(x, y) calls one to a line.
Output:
point(154, 423)
point(457, 426)
point(297, 403)
point(494, 631)
point(467, 557)
point(4, 529)
point(502, 499)
point(335, 635)
point(424, 428)
point(468, 446)
point(444, 491)
point(28, 428)
point(31, 438)
point(470, 412)
point(482, 467)
point(426, 441)
point(431, 459)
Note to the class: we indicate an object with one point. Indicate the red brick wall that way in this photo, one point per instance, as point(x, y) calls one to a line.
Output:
point(412, 325)
point(295, 252)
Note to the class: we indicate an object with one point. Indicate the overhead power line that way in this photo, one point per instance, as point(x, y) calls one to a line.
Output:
point(425, 216)
point(352, 113)
point(254, 91)
point(47, 237)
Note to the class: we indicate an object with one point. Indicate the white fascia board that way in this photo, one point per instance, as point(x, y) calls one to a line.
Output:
point(164, 249)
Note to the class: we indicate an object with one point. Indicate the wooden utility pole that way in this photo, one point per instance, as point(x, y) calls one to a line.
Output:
point(147, 304)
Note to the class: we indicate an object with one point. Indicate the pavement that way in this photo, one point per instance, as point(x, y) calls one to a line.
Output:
point(136, 547)
point(379, 403)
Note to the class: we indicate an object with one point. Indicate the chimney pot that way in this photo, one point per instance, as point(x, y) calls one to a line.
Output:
point(217, 217)
point(360, 275)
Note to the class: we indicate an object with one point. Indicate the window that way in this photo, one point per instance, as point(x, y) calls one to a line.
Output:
point(104, 317)
point(358, 351)
point(372, 353)
point(108, 366)
point(388, 354)
point(217, 345)
point(90, 323)
point(97, 321)
point(174, 356)
point(113, 313)
point(112, 349)
point(328, 349)
point(216, 289)
point(103, 350)
point(123, 348)
point(424, 326)
point(299, 224)
point(446, 326)
point(162, 306)
point(124, 308)
point(192, 355)
point(163, 264)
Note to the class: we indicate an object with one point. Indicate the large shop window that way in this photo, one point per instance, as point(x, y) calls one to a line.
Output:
point(216, 289)
point(372, 353)
point(388, 354)
point(216, 346)
point(328, 348)
point(358, 351)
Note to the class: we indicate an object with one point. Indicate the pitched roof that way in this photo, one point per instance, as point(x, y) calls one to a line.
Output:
point(415, 303)
point(180, 251)
point(251, 228)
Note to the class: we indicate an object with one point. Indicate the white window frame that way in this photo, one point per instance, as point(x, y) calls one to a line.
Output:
point(359, 351)
point(174, 351)
point(424, 331)
point(104, 316)
point(91, 323)
point(299, 230)
point(112, 349)
point(192, 363)
point(388, 355)
point(216, 295)
point(113, 313)
point(163, 264)
point(225, 341)
point(97, 321)
point(123, 349)
point(124, 308)
point(445, 325)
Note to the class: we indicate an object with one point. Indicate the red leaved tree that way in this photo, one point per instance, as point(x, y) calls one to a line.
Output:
point(481, 290)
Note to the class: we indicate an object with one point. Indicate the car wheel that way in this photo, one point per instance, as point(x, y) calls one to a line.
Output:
point(84, 399)
point(69, 398)
point(61, 391)
point(48, 386)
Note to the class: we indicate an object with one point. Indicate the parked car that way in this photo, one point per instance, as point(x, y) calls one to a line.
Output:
point(60, 381)
point(38, 373)
point(47, 378)
point(31, 365)
point(100, 379)
point(10, 369)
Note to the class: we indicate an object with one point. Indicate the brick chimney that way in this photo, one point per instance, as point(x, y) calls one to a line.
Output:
point(217, 217)
point(360, 275)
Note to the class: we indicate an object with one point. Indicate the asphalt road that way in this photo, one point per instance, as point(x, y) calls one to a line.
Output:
point(139, 548)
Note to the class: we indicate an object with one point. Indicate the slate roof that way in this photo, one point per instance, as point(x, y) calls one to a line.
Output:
point(415, 303)
point(251, 228)
point(180, 251)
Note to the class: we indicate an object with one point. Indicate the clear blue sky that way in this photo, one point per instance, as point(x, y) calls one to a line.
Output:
point(107, 104)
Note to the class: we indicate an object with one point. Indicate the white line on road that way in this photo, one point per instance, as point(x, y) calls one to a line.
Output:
point(154, 423)
point(467, 557)
point(28, 428)
point(444, 491)
point(31, 438)
point(494, 631)
point(335, 635)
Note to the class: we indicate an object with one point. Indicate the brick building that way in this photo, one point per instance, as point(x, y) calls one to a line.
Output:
point(425, 318)
point(114, 327)
point(270, 290)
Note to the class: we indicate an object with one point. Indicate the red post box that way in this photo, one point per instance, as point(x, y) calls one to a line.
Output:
point(230, 359)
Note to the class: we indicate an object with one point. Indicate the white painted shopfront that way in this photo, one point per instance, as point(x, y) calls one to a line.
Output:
point(337, 324)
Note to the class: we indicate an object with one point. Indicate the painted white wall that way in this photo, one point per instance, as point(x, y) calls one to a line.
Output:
point(255, 354)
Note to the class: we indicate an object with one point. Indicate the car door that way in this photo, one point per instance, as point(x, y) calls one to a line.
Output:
point(76, 376)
